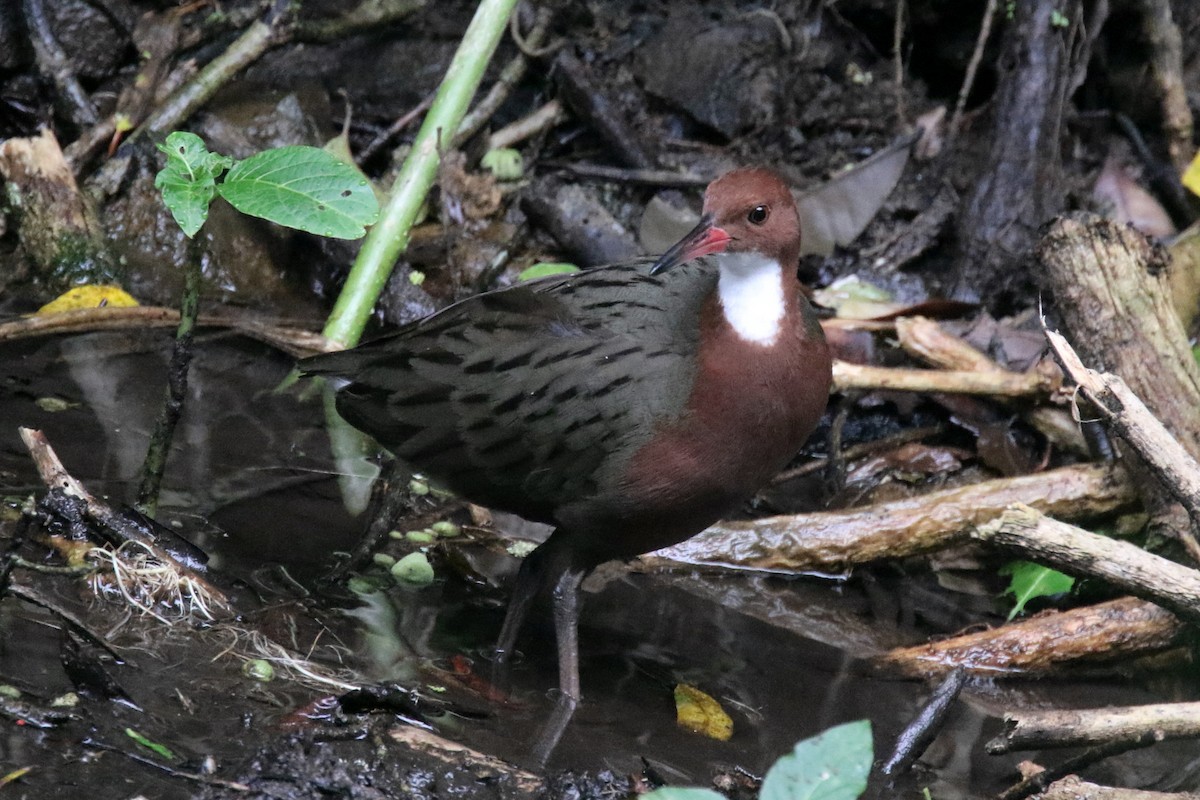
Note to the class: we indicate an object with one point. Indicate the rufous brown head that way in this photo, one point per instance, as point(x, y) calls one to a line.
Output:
point(746, 210)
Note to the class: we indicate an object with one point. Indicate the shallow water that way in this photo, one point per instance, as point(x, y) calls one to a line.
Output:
point(253, 482)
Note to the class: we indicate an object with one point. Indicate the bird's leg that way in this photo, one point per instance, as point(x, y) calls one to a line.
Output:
point(566, 630)
point(529, 580)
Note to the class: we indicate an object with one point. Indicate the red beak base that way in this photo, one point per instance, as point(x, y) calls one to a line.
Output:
point(702, 240)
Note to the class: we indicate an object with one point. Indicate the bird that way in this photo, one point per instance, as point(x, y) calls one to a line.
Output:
point(629, 406)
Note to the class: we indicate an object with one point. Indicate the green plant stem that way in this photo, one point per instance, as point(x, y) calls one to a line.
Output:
point(177, 377)
point(389, 237)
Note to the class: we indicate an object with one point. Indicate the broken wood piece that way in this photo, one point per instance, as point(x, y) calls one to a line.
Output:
point(1045, 643)
point(508, 778)
point(1162, 453)
point(540, 120)
point(1082, 727)
point(837, 540)
point(1111, 287)
point(847, 377)
point(59, 231)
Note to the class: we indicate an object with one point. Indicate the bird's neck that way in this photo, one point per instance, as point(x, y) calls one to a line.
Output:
point(754, 296)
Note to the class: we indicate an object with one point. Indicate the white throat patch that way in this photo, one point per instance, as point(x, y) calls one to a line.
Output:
point(750, 287)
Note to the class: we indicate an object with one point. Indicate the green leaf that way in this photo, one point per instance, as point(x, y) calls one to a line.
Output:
point(160, 750)
point(545, 268)
point(189, 180)
point(830, 766)
point(683, 793)
point(1031, 580)
point(304, 188)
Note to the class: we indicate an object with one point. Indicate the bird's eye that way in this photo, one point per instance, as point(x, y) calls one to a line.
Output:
point(758, 215)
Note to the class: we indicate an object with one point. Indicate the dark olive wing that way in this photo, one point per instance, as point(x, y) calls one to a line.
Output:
point(528, 397)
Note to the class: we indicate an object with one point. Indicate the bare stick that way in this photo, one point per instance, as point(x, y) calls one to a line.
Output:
point(294, 341)
point(927, 340)
point(921, 732)
point(55, 476)
point(1073, 787)
point(847, 376)
point(540, 120)
point(1035, 730)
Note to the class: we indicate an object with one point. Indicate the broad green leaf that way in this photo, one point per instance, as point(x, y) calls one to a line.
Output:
point(545, 268)
point(189, 180)
point(830, 766)
point(683, 793)
point(1031, 580)
point(304, 188)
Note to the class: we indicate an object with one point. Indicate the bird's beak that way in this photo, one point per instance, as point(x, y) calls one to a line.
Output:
point(702, 240)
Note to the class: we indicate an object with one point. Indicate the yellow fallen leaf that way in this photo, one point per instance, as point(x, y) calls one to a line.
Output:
point(700, 713)
point(91, 296)
point(1191, 176)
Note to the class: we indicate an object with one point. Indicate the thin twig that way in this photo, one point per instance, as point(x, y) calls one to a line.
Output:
point(540, 120)
point(898, 63)
point(402, 122)
point(985, 30)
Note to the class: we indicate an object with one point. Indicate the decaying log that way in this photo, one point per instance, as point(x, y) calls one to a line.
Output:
point(838, 540)
point(1036, 730)
point(59, 230)
point(1044, 643)
point(1078, 552)
point(1111, 287)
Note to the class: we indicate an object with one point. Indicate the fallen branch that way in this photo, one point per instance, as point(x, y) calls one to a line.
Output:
point(837, 540)
point(1083, 727)
point(294, 341)
point(1043, 644)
